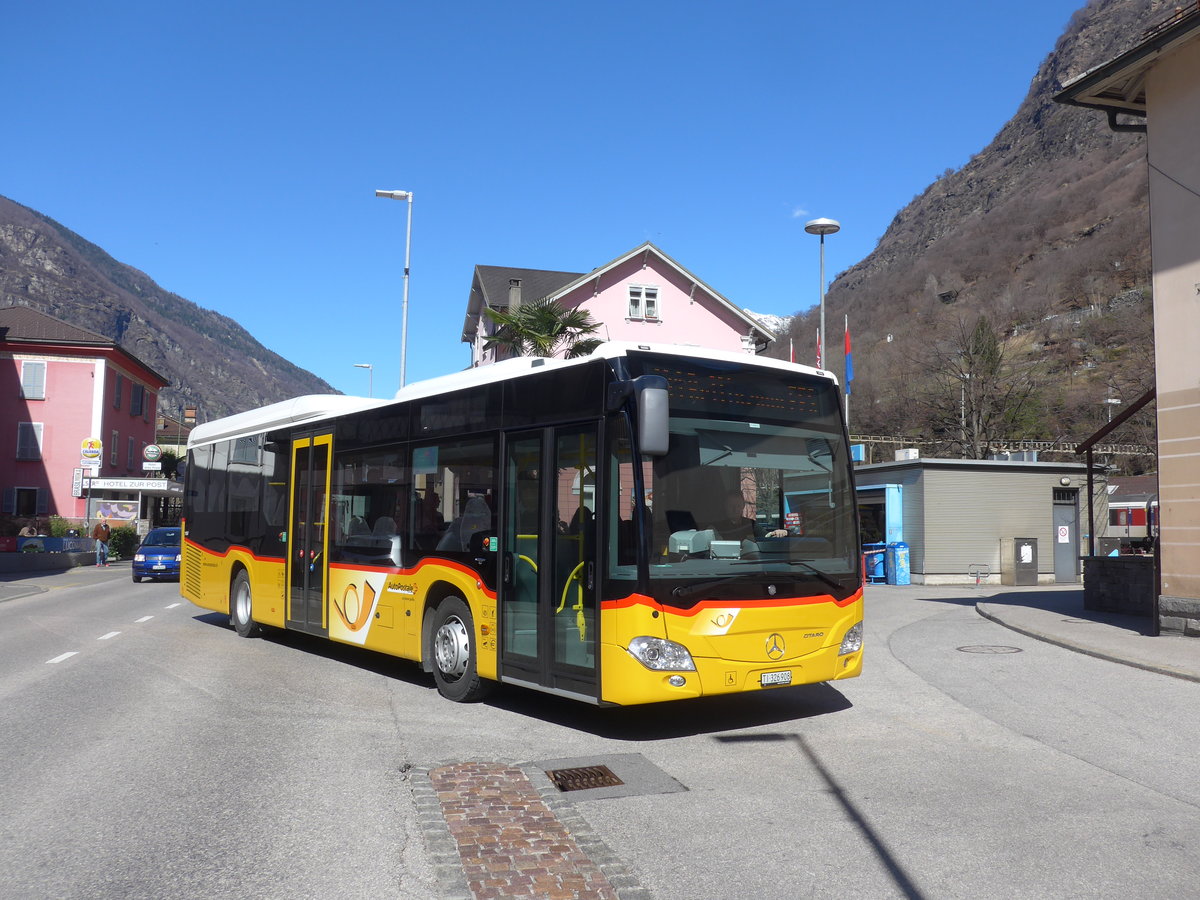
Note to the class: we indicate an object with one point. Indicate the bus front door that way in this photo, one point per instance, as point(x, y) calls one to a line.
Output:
point(548, 618)
point(308, 536)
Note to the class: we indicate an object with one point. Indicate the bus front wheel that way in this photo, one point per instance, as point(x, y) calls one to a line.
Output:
point(454, 667)
point(240, 604)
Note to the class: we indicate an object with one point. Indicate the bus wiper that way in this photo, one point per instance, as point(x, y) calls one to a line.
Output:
point(704, 587)
point(833, 583)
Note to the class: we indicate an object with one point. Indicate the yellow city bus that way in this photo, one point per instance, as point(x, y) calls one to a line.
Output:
point(643, 524)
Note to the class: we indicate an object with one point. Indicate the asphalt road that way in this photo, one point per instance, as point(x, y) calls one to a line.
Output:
point(169, 758)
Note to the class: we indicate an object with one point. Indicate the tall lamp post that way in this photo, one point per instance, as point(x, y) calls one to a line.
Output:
point(403, 195)
point(370, 377)
point(822, 227)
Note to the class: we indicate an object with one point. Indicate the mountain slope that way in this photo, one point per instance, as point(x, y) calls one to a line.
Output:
point(1045, 231)
point(210, 360)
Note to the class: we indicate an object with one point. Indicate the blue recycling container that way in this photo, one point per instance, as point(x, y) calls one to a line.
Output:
point(873, 562)
point(897, 563)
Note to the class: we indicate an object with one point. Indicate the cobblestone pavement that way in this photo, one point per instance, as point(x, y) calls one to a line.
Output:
point(499, 831)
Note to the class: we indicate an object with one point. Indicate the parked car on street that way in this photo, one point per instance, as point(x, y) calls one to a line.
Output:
point(158, 555)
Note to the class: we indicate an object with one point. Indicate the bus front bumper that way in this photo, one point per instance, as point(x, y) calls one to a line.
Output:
point(628, 682)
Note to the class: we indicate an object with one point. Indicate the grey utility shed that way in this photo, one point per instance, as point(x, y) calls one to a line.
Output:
point(959, 517)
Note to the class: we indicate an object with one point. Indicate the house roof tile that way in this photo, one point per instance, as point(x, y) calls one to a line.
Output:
point(22, 323)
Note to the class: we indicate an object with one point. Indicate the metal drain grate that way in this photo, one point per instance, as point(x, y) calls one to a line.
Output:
point(583, 778)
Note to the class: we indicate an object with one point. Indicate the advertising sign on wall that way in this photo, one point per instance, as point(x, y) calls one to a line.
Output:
point(115, 512)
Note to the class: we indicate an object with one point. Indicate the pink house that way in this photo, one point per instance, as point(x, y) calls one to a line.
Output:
point(60, 388)
point(643, 295)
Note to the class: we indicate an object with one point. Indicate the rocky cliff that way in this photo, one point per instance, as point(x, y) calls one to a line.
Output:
point(210, 360)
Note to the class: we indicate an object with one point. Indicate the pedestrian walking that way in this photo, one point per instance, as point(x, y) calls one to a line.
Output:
point(101, 534)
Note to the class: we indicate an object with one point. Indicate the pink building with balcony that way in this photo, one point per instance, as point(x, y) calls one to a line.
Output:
point(62, 386)
point(643, 295)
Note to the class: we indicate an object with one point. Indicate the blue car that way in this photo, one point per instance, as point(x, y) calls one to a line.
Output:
point(158, 557)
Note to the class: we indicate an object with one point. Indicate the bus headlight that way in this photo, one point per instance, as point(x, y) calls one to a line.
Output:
point(660, 655)
point(852, 642)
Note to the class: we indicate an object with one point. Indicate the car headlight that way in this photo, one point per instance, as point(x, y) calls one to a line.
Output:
point(660, 655)
point(139, 557)
point(852, 642)
point(178, 557)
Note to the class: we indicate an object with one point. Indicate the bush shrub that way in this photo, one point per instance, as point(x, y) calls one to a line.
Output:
point(60, 526)
point(122, 542)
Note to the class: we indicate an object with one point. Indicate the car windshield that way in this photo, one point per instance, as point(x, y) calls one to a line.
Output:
point(162, 537)
point(755, 488)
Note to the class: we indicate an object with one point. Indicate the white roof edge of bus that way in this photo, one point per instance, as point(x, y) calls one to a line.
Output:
point(314, 407)
point(526, 365)
point(310, 407)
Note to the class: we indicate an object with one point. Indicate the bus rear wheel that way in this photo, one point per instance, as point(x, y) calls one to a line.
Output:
point(240, 605)
point(454, 667)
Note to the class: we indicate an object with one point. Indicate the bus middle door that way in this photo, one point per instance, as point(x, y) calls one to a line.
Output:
point(548, 610)
point(308, 534)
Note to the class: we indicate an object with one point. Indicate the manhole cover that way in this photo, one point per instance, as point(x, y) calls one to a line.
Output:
point(988, 648)
point(583, 778)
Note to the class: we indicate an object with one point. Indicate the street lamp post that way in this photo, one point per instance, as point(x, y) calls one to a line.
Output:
point(822, 227)
point(403, 195)
point(1110, 403)
point(370, 377)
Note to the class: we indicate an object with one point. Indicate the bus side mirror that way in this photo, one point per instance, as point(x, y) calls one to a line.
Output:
point(652, 412)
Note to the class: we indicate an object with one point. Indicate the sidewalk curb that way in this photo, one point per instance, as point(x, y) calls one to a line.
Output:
point(1086, 650)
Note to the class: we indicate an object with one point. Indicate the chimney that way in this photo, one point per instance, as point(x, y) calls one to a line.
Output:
point(514, 293)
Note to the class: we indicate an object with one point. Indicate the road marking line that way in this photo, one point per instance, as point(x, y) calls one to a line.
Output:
point(173, 605)
point(59, 659)
point(105, 637)
point(142, 619)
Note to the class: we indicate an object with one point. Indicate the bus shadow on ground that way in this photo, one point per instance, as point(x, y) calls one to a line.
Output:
point(683, 718)
point(404, 670)
point(649, 722)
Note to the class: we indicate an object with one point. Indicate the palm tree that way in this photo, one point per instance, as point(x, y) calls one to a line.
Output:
point(543, 328)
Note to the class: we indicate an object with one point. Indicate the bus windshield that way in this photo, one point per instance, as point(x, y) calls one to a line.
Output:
point(755, 488)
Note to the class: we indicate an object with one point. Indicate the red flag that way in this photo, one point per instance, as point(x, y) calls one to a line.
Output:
point(818, 348)
point(791, 350)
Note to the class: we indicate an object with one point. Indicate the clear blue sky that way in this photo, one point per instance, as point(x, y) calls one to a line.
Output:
point(231, 150)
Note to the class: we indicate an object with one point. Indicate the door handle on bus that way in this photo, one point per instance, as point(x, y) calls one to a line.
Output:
point(591, 576)
point(506, 575)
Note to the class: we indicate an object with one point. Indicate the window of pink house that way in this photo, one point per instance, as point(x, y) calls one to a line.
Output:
point(33, 380)
point(643, 302)
point(29, 440)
